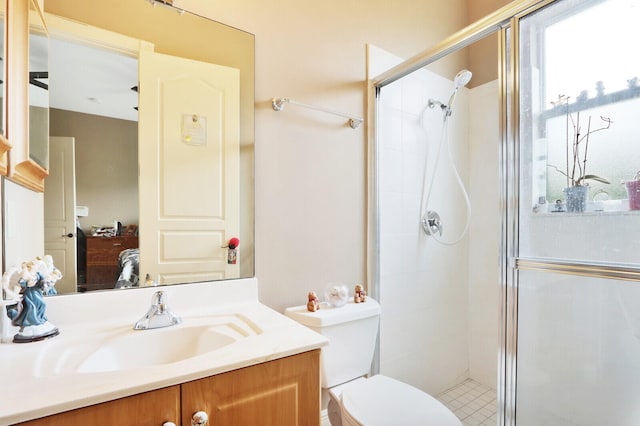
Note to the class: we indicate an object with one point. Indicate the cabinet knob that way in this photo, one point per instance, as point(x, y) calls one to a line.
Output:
point(199, 419)
point(168, 424)
point(69, 235)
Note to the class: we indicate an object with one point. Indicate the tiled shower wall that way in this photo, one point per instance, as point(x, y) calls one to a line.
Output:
point(439, 320)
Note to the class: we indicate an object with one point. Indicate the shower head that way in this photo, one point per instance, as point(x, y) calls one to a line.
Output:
point(462, 79)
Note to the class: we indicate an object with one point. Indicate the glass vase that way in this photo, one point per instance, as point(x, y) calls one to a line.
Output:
point(576, 198)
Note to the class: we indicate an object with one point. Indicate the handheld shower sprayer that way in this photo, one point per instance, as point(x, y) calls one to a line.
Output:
point(430, 219)
point(460, 80)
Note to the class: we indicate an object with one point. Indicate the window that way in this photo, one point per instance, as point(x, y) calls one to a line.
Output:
point(582, 86)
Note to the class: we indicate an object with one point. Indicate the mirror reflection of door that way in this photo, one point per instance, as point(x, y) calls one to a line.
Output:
point(189, 168)
point(59, 217)
point(186, 244)
point(92, 101)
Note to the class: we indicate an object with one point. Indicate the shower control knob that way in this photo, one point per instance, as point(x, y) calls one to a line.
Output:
point(431, 223)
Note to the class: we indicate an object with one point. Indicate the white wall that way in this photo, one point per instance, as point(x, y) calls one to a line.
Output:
point(311, 176)
point(311, 168)
point(24, 224)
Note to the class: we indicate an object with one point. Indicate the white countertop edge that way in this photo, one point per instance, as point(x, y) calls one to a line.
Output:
point(33, 397)
point(110, 393)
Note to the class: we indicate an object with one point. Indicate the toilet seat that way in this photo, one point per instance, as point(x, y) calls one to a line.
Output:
point(381, 400)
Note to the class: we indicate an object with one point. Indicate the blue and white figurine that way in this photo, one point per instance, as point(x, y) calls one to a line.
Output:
point(29, 284)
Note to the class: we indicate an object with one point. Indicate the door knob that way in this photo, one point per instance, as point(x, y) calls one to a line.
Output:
point(199, 419)
point(69, 235)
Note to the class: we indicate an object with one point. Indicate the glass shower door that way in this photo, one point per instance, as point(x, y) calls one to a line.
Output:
point(578, 351)
point(577, 260)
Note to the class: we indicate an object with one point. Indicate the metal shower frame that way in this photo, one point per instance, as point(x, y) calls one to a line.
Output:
point(499, 22)
point(505, 22)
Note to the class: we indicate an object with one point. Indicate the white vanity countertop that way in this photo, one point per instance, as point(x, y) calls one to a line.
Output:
point(32, 388)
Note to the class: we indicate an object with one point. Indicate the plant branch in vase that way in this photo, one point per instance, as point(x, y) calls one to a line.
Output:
point(577, 150)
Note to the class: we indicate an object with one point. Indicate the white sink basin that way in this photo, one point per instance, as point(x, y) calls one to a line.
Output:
point(154, 347)
point(124, 348)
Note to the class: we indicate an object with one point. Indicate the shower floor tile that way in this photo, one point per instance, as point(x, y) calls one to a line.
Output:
point(472, 402)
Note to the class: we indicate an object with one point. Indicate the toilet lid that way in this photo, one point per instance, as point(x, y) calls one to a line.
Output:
point(381, 400)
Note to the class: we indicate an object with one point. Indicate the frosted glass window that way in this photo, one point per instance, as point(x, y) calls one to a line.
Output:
point(574, 70)
point(580, 84)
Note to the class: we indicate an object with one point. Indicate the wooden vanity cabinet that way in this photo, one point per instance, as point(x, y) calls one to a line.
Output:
point(146, 409)
point(283, 392)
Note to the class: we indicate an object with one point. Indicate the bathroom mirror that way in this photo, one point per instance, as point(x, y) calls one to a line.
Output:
point(191, 37)
point(38, 89)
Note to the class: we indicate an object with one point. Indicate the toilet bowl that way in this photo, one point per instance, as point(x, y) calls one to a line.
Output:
point(354, 399)
point(381, 400)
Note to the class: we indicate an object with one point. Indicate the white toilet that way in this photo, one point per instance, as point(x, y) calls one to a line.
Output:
point(355, 400)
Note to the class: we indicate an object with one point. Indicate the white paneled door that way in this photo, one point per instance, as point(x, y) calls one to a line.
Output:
point(189, 168)
point(60, 236)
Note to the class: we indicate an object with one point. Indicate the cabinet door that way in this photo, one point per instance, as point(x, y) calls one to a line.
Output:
point(4, 143)
point(146, 409)
point(27, 94)
point(277, 393)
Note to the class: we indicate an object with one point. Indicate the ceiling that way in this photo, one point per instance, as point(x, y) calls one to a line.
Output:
point(94, 81)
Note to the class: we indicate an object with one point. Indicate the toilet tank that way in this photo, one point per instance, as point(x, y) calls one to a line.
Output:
point(352, 331)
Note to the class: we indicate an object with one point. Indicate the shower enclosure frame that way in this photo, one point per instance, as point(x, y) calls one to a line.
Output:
point(504, 21)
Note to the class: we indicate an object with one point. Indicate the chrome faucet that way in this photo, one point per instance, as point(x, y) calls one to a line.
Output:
point(159, 315)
